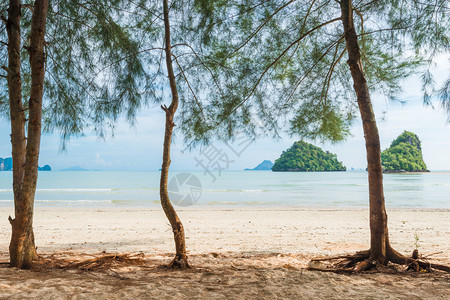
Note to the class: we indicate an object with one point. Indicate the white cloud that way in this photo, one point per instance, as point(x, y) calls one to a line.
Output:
point(100, 161)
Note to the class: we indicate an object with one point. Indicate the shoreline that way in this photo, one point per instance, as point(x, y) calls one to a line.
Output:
point(155, 206)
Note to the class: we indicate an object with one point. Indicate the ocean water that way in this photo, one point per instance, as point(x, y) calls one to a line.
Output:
point(233, 189)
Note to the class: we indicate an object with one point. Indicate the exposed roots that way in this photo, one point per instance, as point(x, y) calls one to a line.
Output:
point(98, 262)
point(180, 261)
point(415, 263)
point(361, 261)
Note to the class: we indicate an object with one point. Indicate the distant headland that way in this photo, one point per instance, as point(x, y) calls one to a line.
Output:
point(264, 166)
point(6, 164)
point(75, 168)
point(78, 168)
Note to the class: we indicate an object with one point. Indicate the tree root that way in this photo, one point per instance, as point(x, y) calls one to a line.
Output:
point(362, 261)
point(180, 261)
point(400, 259)
point(100, 262)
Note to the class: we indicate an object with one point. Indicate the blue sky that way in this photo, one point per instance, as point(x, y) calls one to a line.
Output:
point(140, 147)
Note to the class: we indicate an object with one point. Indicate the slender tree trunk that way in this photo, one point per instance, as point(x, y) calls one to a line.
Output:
point(379, 242)
point(25, 152)
point(180, 260)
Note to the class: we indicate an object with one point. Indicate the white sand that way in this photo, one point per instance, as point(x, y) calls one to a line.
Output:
point(257, 253)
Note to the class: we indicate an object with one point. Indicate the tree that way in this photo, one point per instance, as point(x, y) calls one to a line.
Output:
point(380, 250)
point(25, 149)
point(379, 240)
point(188, 77)
point(69, 44)
point(180, 259)
point(293, 51)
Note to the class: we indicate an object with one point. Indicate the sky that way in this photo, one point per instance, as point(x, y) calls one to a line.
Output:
point(139, 148)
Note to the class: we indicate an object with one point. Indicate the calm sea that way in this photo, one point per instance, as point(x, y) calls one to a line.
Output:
point(234, 188)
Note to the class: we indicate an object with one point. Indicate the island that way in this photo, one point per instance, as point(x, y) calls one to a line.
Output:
point(45, 168)
point(264, 166)
point(305, 157)
point(6, 164)
point(404, 155)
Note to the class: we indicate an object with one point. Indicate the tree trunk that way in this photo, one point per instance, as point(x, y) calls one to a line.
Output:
point(379, 242)
point(180, 260)
point(25, 151)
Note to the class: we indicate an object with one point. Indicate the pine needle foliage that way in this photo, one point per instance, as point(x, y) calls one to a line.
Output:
point(284, 61)
point(93, 68)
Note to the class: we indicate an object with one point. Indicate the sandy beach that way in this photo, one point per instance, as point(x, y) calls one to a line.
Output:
point(238, 253)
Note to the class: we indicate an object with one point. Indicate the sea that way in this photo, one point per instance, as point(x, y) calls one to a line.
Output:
point(233, 189)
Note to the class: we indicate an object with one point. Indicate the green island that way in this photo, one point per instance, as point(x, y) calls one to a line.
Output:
point(404, 155)
point(305, 157)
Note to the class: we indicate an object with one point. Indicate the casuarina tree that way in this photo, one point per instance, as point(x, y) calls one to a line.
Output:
point(57, 58)
point(180, 260)
point(25, 147)
point(178, 68)
point(289, 62)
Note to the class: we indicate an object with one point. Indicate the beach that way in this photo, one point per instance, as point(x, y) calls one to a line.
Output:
point(240, 252)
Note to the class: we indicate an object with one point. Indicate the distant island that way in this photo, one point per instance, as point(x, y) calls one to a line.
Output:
point(45, 168)
point(305, 157)
point(404, 155)
point(265, 165)
point(6, 164)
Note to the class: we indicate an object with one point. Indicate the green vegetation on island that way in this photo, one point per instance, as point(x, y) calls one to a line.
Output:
point(404, 155)
point(304, 157)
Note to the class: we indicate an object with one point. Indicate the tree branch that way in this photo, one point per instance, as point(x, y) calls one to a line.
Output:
point(362, 32)
point(122, 59)
point(69, 99)
point(71, 77)
point(29, 6)
point(147, 10)
point(310, 70)
point(6, 69)
point(330, 73)
point(274, 62)
point(260, 27)
point(204, 65)
point(239, 14)
point(190, 88)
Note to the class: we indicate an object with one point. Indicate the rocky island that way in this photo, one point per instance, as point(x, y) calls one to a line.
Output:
point(265, 165)
point(305, 157)
point(404, 155)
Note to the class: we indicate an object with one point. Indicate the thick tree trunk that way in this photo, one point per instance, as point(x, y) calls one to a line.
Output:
point(25, 152)
point(180, 260)
point(379, 242)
